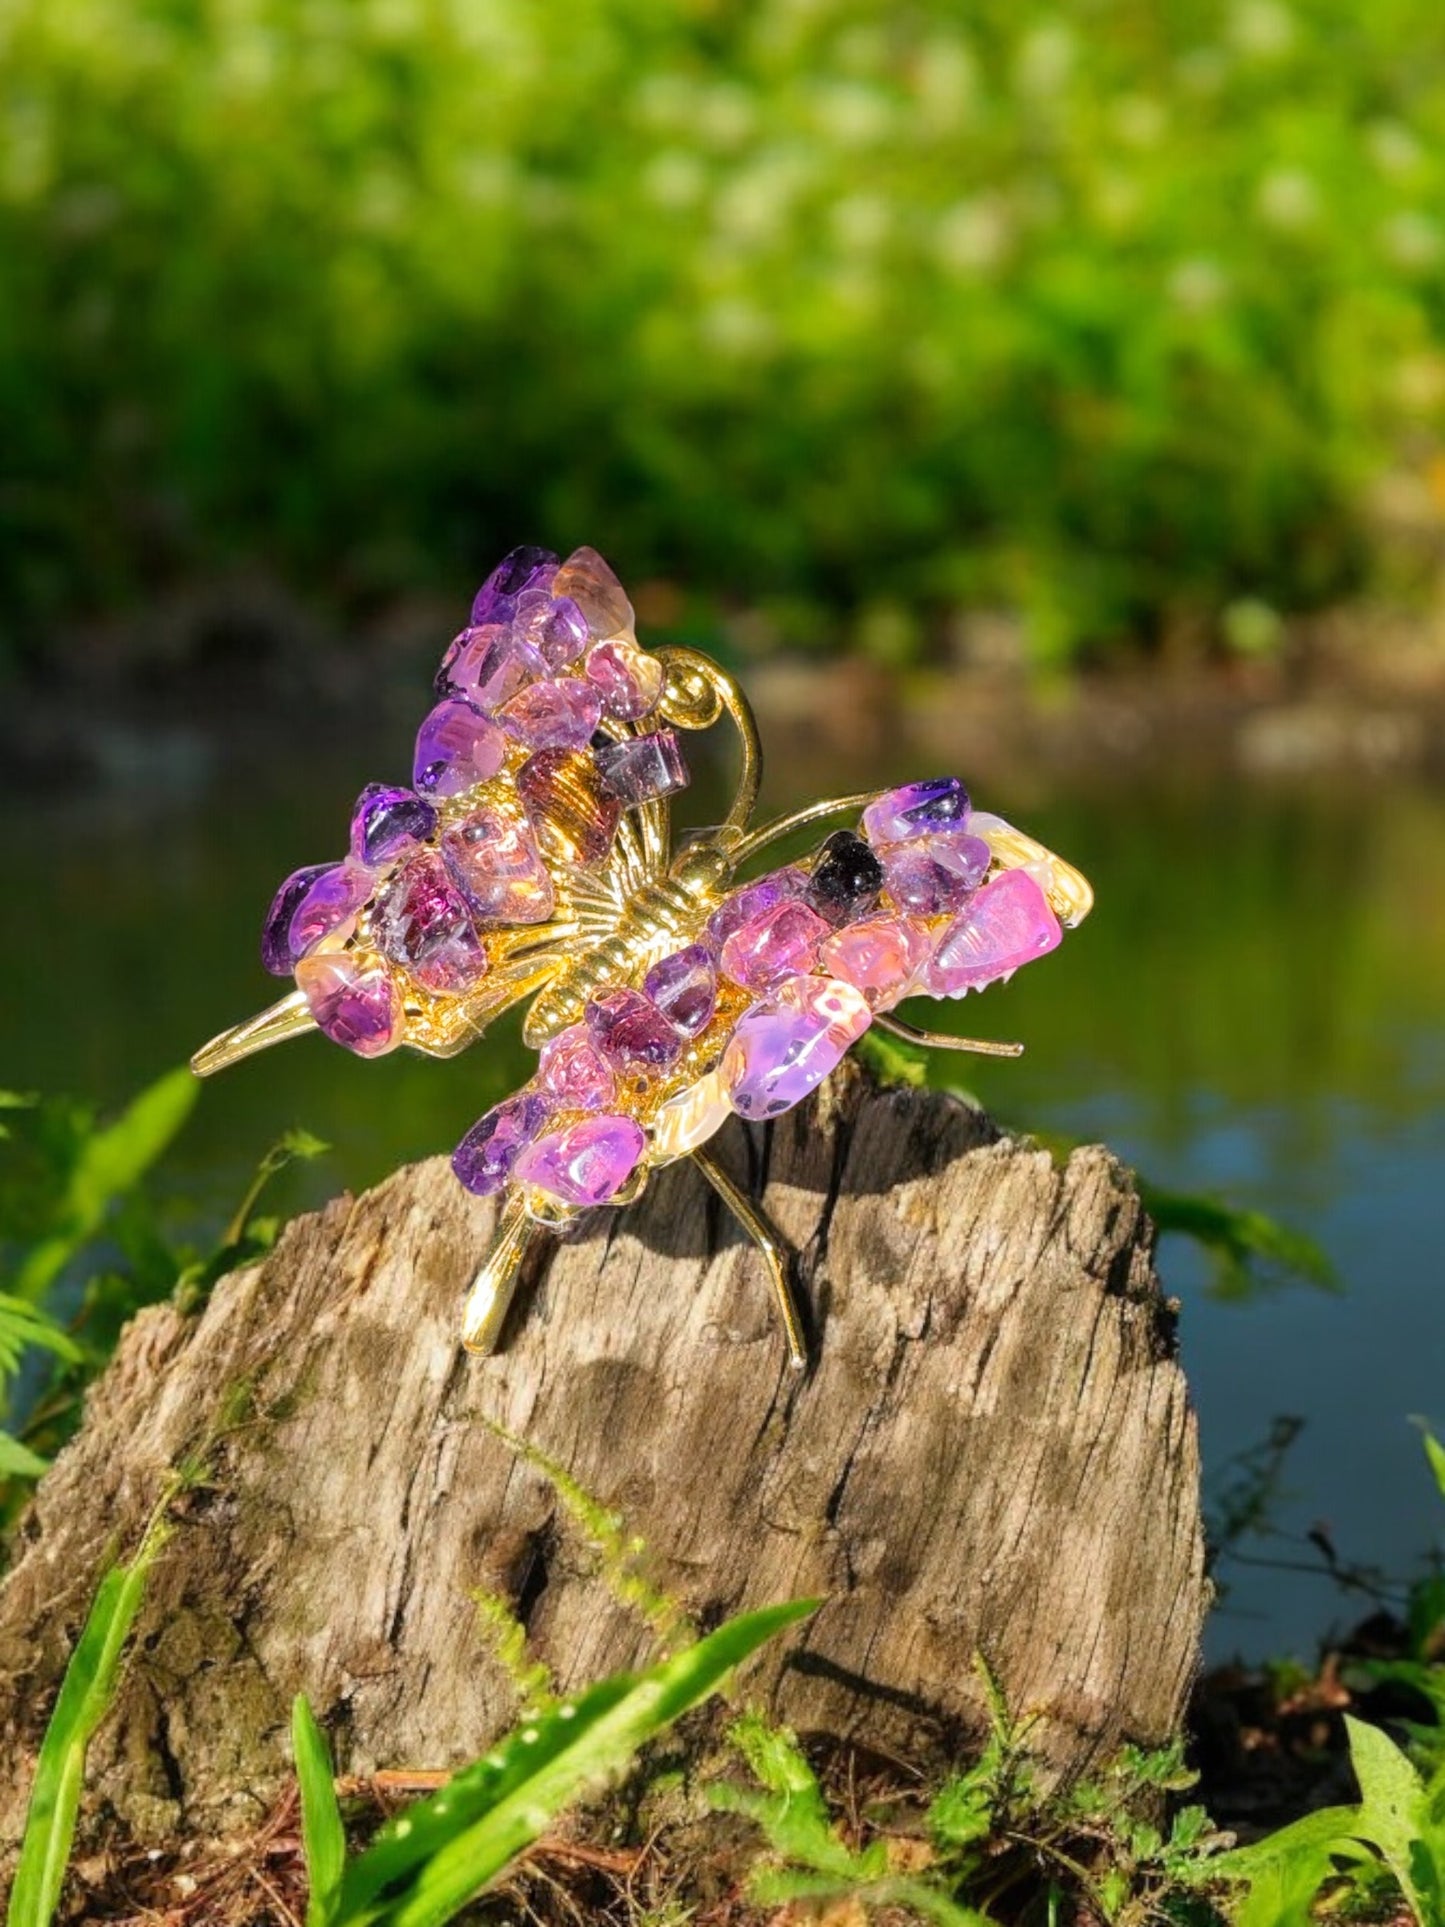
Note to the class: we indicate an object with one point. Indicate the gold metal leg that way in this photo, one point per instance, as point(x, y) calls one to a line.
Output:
point(490, 1297)
point(289, 1018)
point(775, 1252)
point(936, 1039)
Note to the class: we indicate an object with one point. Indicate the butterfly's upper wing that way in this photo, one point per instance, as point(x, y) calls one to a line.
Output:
point(769, 990)
point(536, 810)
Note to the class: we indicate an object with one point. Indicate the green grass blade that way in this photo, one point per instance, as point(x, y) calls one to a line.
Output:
point(85, 1697)
point(111, 1163)
point(323, 1838)
point(1435, 1453)
point(426, 1865)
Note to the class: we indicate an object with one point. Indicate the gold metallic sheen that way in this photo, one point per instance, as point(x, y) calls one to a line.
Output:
point(775, 1252)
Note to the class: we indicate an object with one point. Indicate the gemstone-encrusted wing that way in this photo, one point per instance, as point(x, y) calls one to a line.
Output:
point(532, 858)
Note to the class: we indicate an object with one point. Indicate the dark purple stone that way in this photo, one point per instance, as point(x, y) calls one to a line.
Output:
point(483, 1160)
point(643, 768)
point(684, 988)
point(524, 568)
point(422, 922)
point(630, 1029)
point(745, 904)
point(938, 803)
point(385, 820)
point(276, 953)
point(847, 879)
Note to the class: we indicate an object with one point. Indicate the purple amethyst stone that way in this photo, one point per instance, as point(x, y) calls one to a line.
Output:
point(492, 666)
point(522, 569)
point(553, 715)
point(939, 803)
point(422, 922)
point(457, 747)
point(584, 1163)
point(684, 988)
point(277, 955)
point(631, 1030)
point(929, 875)
point(385, 820)
point(745, 904)
point(643, 768)
point(847, 879)
point(333, 899)
point(552, 624)
point(483, 1160)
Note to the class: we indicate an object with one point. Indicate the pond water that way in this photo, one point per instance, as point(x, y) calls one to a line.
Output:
point(1254, 1008)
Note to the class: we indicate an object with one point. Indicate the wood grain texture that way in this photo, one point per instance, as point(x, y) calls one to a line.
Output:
point(993, 1453)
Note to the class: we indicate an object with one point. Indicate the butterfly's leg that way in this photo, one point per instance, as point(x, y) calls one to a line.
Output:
point(937, 1040)
point(490, 1297)
point(775, 1252)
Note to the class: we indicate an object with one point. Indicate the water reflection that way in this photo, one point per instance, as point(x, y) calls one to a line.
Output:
point(1254, 1007)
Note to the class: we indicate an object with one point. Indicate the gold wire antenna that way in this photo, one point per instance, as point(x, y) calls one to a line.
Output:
point(291, 1017)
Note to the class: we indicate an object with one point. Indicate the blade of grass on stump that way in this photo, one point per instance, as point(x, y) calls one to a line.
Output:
point(323, 1838)
point(426, 1865)
point(85, 1698)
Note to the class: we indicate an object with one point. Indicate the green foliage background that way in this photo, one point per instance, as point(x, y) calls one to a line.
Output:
point(1108, 311)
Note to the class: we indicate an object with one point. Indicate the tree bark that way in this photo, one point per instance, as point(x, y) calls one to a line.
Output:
point(993, 1454)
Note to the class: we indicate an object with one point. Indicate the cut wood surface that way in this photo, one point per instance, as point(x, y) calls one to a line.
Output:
point(994, 1453)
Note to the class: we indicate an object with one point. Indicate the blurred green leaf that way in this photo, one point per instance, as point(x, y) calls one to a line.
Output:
point(1249, 1248)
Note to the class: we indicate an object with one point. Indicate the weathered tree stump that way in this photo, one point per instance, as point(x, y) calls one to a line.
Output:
point(994, 1453)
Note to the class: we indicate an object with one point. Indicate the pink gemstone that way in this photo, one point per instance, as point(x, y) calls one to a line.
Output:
point(422, 922)
point(684, 988)
point(743, 905)
point(879, 956)
point(552, 624)
point(583, 1163)
point(328, 906)
point(553, 715)
point(495, 863)
point(493, 665)
point(590, 583)
point(456, 748)
point(784, 1048)
point(930, 876)
point(355, 1004)
point(630, 1029)
point(940, 803)
point(777, 943)
point(573, 1070)
point(1008, 923)
point(626, 677)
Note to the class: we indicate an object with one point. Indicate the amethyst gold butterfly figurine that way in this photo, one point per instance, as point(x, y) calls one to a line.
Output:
point(533, 858)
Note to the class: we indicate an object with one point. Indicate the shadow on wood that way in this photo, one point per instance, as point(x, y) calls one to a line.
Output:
point(994, 1452)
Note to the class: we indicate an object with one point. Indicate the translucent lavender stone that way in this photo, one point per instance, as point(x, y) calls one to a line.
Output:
point(744, 904)
point(493, 665)
point(684, 988)
point(332, 901)
point(629, 1030)
point(385, 820)
point(584, 1163)
point(590, 583)
point(930, 875)
point(354, 1001)
point(630, 681)
point(940, 803)
point(520, 570)
point(552, 624)
point(784, 1048)
point(777, 943)
point(456, 748)
point(486, 1156)
point(573, 1070)
point(277, 955)
point(643, 768)
point(1006, 924)
point(847, 879)
point(553, 715)
point(494, 861)
point(422, 922)
point(879, 956)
